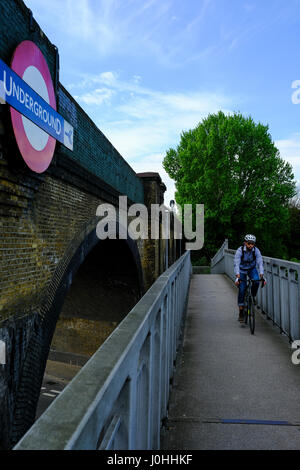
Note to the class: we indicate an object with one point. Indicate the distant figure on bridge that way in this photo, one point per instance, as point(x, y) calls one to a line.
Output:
point(246, 259)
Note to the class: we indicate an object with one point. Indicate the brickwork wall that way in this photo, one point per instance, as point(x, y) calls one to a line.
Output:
point(39, 214)
point(35, 232)
point(45, 221)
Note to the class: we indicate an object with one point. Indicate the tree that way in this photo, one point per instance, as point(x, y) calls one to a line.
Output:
point(293, 238)
point(230, 164)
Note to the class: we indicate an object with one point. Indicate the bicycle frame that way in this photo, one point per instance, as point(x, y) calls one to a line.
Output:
point(249, 311)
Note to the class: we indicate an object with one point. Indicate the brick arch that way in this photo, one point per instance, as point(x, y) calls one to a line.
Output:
point(45, 323)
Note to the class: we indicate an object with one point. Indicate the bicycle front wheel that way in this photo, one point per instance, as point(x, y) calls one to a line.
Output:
point(251, 315)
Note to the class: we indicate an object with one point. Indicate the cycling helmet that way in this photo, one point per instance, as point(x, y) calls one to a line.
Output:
point(250, 238)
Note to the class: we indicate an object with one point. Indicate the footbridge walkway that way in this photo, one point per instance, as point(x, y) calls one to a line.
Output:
point(228, 390)
point(232, 390)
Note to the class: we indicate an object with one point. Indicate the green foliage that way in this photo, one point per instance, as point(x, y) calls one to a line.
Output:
point(230, 164)
point(292, 239)
point(198, 260)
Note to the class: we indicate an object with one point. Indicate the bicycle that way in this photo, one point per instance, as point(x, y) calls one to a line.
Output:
point(249, 311)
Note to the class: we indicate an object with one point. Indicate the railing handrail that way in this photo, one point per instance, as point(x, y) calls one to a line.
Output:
point(292, 264)
point(120, 396)
point(220, 252)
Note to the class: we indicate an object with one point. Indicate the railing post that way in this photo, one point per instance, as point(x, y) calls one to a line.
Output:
point(164, 371)
point(298, 304)
point(296, 316)
point(156, 384)
point(132, 406)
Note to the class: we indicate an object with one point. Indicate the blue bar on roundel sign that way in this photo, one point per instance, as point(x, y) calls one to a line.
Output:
point(18, 94)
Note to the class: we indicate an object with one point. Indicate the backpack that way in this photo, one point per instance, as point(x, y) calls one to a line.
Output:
point(243, 254)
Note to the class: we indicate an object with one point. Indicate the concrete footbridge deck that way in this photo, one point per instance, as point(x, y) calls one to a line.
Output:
point(231, 389)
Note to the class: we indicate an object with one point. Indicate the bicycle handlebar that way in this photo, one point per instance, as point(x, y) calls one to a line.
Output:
point(262, 280)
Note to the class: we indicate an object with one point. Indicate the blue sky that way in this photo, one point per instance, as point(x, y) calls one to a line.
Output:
point(144, 70)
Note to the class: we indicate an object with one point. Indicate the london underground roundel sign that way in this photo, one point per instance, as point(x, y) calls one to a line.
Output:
point(36, 145)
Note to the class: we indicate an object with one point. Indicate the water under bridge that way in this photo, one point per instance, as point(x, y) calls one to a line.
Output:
point(180, 372)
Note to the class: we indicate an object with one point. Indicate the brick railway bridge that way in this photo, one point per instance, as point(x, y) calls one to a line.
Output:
point(231, 390)
point(60, 286)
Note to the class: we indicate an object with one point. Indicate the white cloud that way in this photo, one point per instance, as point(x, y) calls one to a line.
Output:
point(148, 121)
point(108, 78)
point(137, 79)
point(97, 97)
point(144, 113)
point(125, 28)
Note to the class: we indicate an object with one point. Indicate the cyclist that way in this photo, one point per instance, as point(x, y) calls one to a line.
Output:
point(246, 259)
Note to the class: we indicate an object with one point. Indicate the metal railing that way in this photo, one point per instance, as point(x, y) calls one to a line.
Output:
point(280, 300)
point(119, 398)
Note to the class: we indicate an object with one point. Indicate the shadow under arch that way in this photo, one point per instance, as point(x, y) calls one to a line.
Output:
point(34, 364)
point(104, 289)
